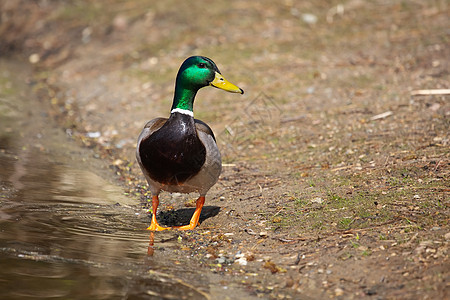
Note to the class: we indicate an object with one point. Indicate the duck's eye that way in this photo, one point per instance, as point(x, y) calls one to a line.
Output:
point(201, 65)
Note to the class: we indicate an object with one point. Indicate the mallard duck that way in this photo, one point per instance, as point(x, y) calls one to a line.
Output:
point(179, 153)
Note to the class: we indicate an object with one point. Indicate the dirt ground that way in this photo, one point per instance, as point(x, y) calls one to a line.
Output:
point(336, 163)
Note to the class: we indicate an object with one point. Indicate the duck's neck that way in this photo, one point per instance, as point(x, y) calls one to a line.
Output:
point(183, 100)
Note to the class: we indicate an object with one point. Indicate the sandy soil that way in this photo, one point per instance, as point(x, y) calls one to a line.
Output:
point(336, 165)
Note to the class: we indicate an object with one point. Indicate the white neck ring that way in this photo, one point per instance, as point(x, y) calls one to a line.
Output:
point(182, 111)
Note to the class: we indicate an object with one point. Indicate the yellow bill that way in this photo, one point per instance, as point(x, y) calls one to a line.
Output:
point(223, 84)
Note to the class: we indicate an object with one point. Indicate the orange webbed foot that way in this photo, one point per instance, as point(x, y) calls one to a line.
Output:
point(195, 217)
point(156, 227)
point(186, 227)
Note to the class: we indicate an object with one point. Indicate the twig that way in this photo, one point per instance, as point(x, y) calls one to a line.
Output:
point(278, 212)
point(341, 168)
point(293, 119)
point(437, 165)
point(411, 240)
point(228, 165)
point(430, 92)
point(382, 115)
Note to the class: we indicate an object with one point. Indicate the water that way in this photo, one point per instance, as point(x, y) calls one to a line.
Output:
point(65, 231)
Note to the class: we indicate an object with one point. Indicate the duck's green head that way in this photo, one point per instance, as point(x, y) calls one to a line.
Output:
point(197, 72)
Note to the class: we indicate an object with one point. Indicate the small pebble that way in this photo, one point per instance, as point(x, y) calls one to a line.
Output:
point(241, 261)
point(86, 35)
point(263, 234)
point(93, 135)
point(317, 200)
point(34, 58)
point(435, 107)
point(363, 248)
point(120, 22)
point(338, 292)
point(220, 260)
point(310, 90)
point(309, 18)
point(447, 236)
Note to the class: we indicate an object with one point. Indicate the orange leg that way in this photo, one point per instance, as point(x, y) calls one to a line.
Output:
point(195, 216)
point(154, 226)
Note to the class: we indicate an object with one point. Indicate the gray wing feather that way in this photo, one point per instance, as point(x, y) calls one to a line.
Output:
point(202, 126)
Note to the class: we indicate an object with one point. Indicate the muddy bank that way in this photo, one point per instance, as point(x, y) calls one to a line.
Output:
point(336, 174)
